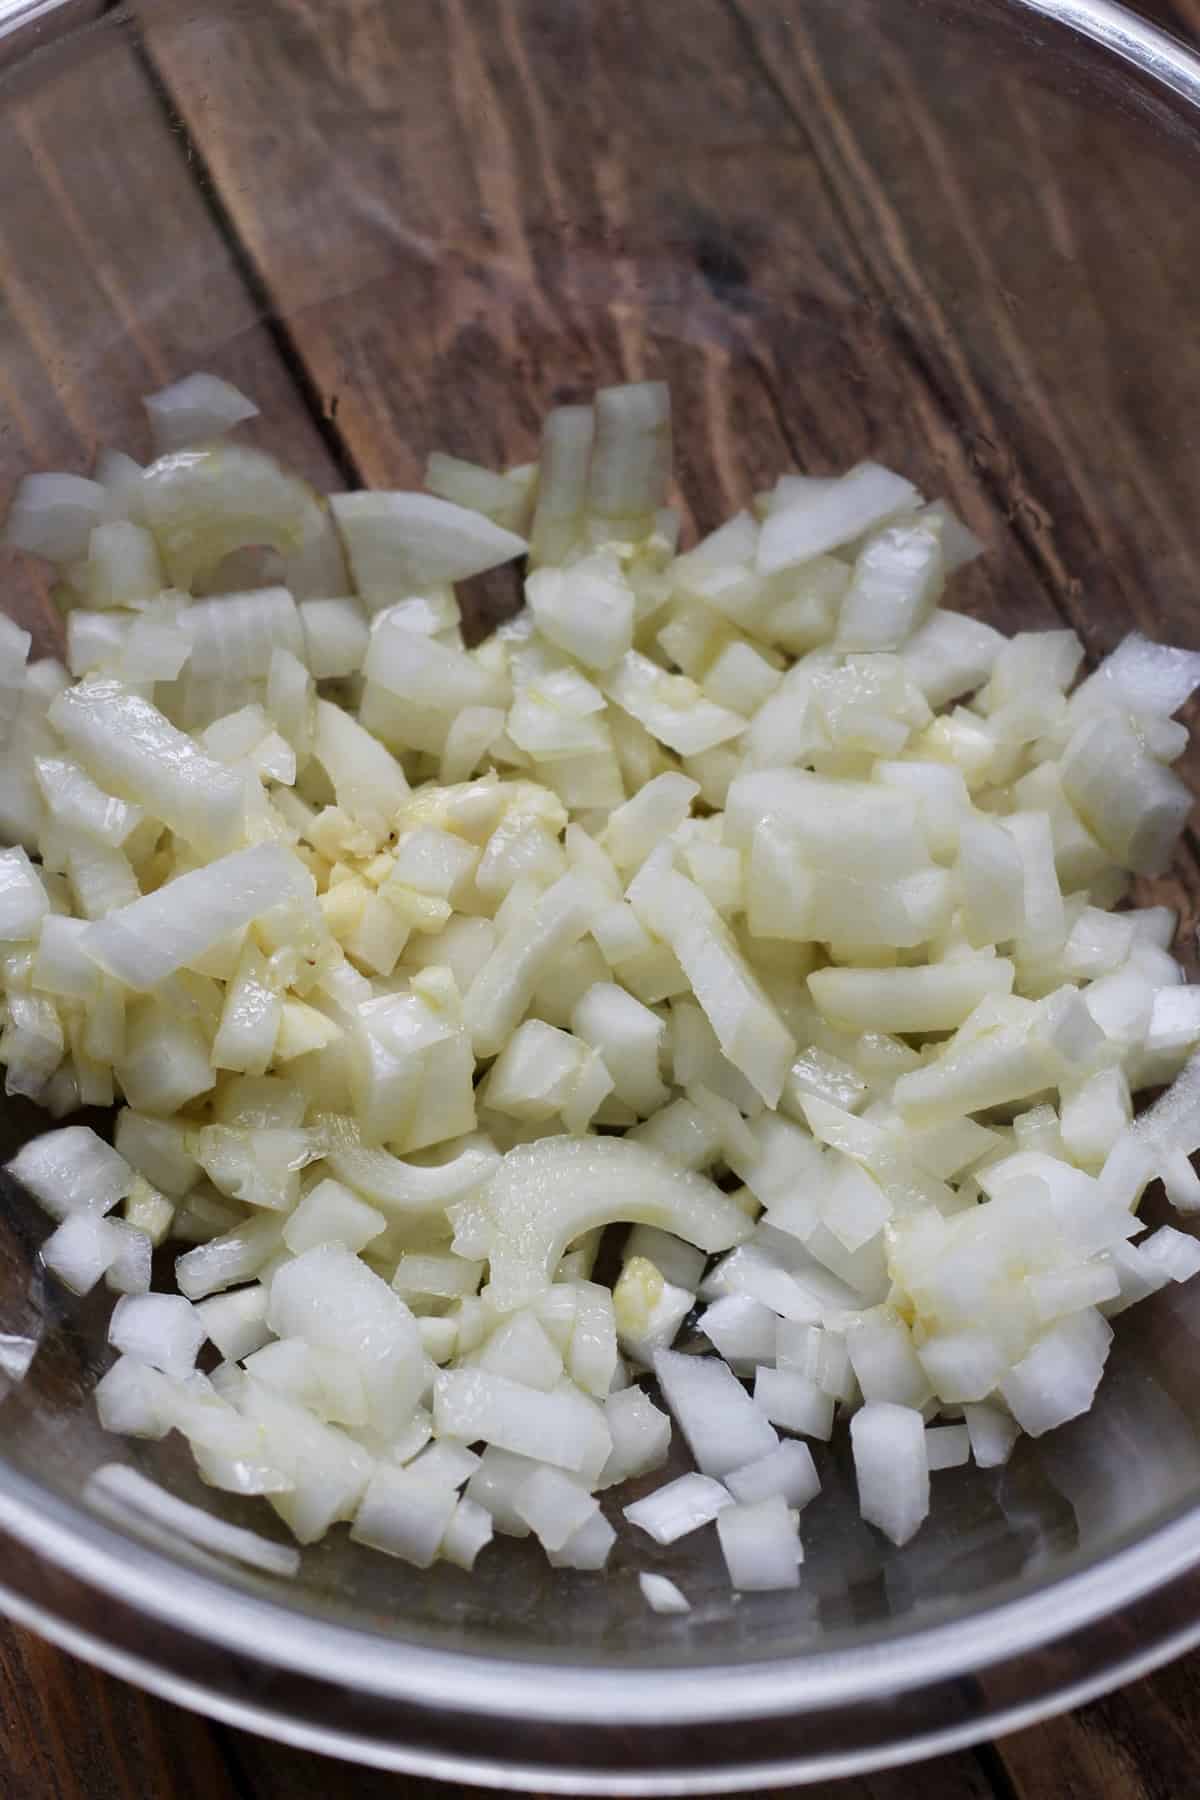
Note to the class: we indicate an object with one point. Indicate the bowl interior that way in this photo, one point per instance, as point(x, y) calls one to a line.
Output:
point(948, 234)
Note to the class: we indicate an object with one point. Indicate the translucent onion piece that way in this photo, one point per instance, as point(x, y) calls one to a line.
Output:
point(202, 505)
point(400, 544)
point(194, 411)
point(546, 1194)
point(129, 747)
point(150, 939)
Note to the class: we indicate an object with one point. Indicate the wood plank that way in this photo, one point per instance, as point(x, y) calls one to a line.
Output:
point(1141, 1743)
point(525, 224)
point(102, 212)
point(480, 214)
point(490, 207)
point(68, 1732)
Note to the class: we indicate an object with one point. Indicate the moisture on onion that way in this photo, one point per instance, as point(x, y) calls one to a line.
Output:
point(748, 899)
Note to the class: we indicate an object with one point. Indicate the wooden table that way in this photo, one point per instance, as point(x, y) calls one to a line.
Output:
point(343, 380)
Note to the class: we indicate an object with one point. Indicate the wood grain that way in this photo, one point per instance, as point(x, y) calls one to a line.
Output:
point(520, 226)
point(69, 1733)
point(1141, 1743)
point(89, 159)
point(458, 221)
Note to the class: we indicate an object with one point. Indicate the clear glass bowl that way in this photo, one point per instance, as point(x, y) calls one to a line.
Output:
point(959, 235)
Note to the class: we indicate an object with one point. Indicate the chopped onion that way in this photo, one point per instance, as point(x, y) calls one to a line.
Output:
point(411, 986)
point(72, 1171)
point(148, 940)
point(404, 1515)
point(54, 516)
point(203, 505)
point(127, 745)
point(760, 1545)
point(723, 1427)
point(661, 1595)
point(547, 1194)
point(826, 515)
point(891, 1465)
point(195, 410)
point(670, 1512)
point(401, 544)
point(788, 1471)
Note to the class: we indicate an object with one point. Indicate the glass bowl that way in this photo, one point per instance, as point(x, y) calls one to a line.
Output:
point(957, 235)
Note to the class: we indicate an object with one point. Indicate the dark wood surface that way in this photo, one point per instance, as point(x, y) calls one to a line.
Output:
point(513, 282)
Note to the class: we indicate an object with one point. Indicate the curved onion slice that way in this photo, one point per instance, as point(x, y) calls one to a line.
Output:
point(404, 1187)
point(548, 1193)
point(202, 505)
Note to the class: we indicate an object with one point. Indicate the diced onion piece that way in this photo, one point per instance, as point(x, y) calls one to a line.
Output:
point(947, 1446)
point(896, 581)
point(150, 939)
point(1127, 800)
point(721, 1423)
point(14, 654)
point(235, 635)
point(335, 637)
point(470, 1530)
point(671, 707)
point(1058, 1378)
point(228, 1259)
point(332, 1300)
point(400, 544)
point(129, 1266)
point(588, 1549)
point(72, 1171)
point(741, 1330)
point(788, 1472)
point(586, 609)
point(162, 1330)
point(236, 1323)
point(404, 1515)
point(1176, 1254)
point(127, 745)
point(23, 900)
point(370, 784)
point(935, 998)
point(891, 1466)
point(793, 1402)
point(826, 515)
point(1141, 677)
point(682, 1506)
point(81, 1251)
point(79, 805)
point(641, 1436)
point(568, 433)
point(993, 1432)
point(54, 516)
point(330, 1214)
point(194, 411)
point(749, 1030)
point(760, 1545)
point(554, 1507)
point(564, 1427)
point(661, 1595)
point(630, 466)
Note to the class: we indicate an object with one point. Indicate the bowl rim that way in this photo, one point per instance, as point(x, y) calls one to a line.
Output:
point(1046, 1650)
